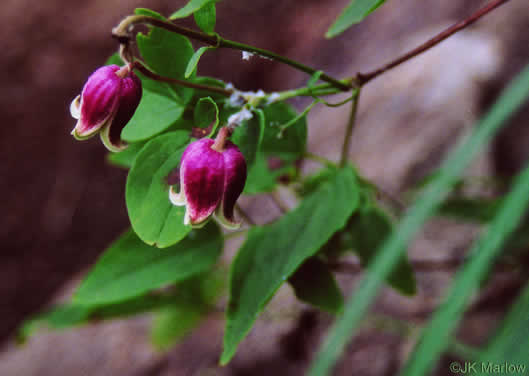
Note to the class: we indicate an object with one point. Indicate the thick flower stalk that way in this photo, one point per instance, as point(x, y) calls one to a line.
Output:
point(212, 177)
point(106, 104)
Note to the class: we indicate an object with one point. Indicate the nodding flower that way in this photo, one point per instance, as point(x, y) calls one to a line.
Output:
point(212, 177)
point(109, 98)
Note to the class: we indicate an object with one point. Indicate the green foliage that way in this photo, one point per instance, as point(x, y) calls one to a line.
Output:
point(126, 157)
point(192, 64)
point(272, 253)
point(155, 114)
point(478, 210)
point(354, 13)
point(192, 304)
point(167, 54)
point(260, 177)
point(149, 13)
point(154, 219)
point(69, 315)
point(366, 232)
point(425, 206)
point(191, 7)
point(130, 267)
point(292, 143)
point(248, 136)
point(206, 17)
point(511, 341)
point(314, 284)
point(485, 250)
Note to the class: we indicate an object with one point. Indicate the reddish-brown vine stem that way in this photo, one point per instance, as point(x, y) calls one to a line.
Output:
point(362, 78)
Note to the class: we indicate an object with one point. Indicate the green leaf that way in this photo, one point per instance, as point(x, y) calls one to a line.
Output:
point(152, 216)
point(192, 64)
point(114, 59)
point(191, 7)
point(510, 343)
point(205, 17)
point(479, 210)
point(248, 137)
point(68, 315)
point(354, 13)
point(292, 143)
point(126, 157)
point(260, 178)
point(130, 268)
point(149, 13)
point(314, 283)
point(272, 253)
point(206, 113)
point(193, 302)
point(210, 81)
point(415, 217)
point(167, 54)
point(367, 231)
point(155, 114)
point(172, 324)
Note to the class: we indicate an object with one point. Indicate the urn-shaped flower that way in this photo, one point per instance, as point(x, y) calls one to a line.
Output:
point(106, 104)
point(212, 177)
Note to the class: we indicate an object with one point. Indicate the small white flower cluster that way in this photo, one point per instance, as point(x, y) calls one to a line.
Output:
point(239, 98)
point(237, 118)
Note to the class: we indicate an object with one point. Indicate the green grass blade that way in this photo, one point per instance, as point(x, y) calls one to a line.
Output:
point(437, 334)
point(367, 290)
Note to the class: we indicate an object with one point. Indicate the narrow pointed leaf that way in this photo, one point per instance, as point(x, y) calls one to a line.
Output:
point(192, 64)
point(191, 7)
point(354, 13)
point(272, 253)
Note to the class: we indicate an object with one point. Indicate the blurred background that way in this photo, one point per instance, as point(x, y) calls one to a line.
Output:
point(63, 203)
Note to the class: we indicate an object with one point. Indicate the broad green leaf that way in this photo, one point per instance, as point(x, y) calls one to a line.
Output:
point(154, 219)
point(167, 54)
point(415, 217)
point(154, 115)
point(367, 231)
point(126, 157)
point(192, 64)
point(191, 7)
point(206, 113)
point(314, 284)
point(130, 268)
point(149, 13)
point(206, 17)
point(291, 145)
point(248, 137)
point(470, 209)
point(354, 13)
point(312, 182)
point(436, 335)
point(510, 343)
point(272, 253)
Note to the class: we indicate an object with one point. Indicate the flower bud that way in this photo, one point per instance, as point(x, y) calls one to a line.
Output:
point(106, 104)
point(211, 180)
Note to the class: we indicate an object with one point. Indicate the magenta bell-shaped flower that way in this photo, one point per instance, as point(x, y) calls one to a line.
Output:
point(212, 177)
point(106, 104)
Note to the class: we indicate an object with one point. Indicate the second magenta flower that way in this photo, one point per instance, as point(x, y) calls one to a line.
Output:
point(212, 177)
